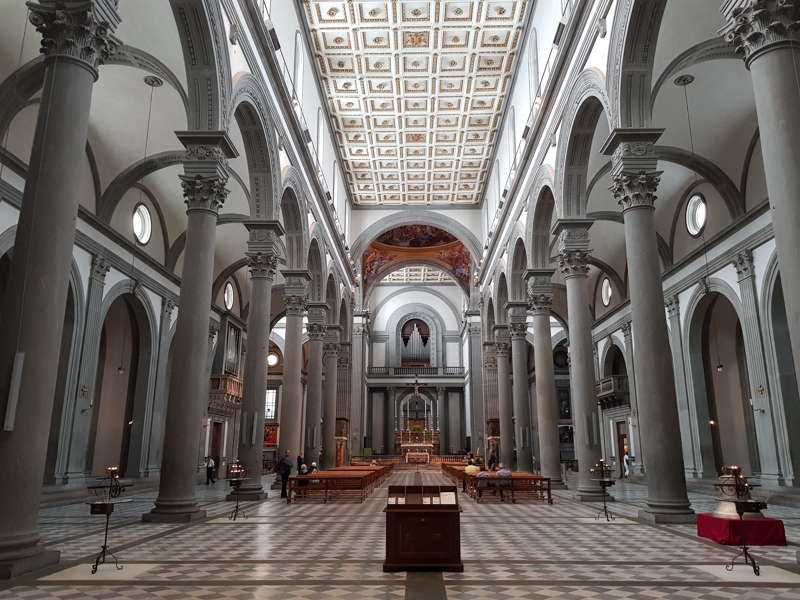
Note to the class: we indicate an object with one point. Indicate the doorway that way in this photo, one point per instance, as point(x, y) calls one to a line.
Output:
point(622, 444)
point(216, 444)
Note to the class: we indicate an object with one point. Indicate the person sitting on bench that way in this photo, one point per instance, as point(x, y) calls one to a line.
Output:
point(504, 479)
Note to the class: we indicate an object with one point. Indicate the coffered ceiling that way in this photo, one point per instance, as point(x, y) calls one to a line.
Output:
point(417, 274)
point(415, 92)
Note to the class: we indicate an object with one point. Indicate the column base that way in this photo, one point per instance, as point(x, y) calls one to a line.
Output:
point(40, 560)
point(173, 517)
point(650, 517)
point(557, 484)
point(592, 494)
point(250, 495)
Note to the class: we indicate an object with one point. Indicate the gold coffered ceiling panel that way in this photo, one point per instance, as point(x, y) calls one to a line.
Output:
point(415, 91)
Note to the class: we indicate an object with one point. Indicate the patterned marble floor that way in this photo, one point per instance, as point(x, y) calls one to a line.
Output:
point(336, 551)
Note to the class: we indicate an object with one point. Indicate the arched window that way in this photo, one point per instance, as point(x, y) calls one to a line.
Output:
point(532, 63)
point(298, 67)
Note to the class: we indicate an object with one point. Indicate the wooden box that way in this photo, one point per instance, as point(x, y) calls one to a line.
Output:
point(423, 529)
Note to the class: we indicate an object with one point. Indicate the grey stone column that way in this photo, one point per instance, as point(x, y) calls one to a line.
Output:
point(760, 397)
point(343, 391)
point(357, 396)
point(504, 400)
point(689, 441)
point(573, 261)
point(330, 360)
point(316, 338)
point(453, 422)
point(518, 327)
point(204, 189)
point(767, 35)
point(540, 298)
point(490, 407)
point(262, 262)
point(635, 181)
point(290, 425)
point(444, 447)
point(476, 383)
point(391, 399)
point(75, 39)
point(161, 394)
point(77, 468)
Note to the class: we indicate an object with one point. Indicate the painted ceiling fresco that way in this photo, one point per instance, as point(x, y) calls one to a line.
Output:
point(415, 245)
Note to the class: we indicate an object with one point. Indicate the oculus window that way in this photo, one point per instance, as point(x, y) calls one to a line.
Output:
point(696, 215)
point(228, 296)
point(606, 291)
point(142, 224)
point(272, 360)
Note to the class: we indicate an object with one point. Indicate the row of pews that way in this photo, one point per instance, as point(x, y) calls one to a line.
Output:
point(520, 486)
point(348, 483)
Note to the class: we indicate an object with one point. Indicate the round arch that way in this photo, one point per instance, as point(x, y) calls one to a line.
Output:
point(293, 214)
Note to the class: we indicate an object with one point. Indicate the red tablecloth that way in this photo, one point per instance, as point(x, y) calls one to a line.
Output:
point(733, 532)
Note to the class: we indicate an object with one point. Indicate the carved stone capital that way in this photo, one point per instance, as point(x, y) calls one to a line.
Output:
point(81, 31)
point(502, 349)
point(205, 194)
point(752, 26)
point(100, 268)
point(635, 189)
point(573, 263)
point(743, 263)
point(295, 305)
point(213, 331)
point(262, 266)
point(169, 306)
point(316, 331)
point(673, 306)
point(330, 349)
point(264, 236)
point(626, 330)
point(518, 331)
point(540, 302)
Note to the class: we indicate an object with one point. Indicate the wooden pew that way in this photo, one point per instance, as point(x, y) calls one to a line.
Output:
point(520, 486)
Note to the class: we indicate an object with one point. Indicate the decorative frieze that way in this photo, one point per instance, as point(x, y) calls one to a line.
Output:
point(81, 31)
point(755, 25)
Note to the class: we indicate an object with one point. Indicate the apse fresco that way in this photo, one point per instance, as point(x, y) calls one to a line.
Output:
point(416, 242)
point(416, 236)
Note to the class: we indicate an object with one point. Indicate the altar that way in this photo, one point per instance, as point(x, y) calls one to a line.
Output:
point(418, 441)
point(418, 457)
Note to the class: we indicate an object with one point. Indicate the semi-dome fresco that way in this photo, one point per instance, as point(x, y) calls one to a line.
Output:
point(416, 236)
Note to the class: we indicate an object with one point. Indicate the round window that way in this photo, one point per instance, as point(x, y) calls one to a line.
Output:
point(142, 224)
point(228, 296)
point(272, 360)
point(606, 291)
point(696, 214)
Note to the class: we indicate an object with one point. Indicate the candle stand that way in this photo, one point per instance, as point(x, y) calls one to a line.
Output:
point(105, 506)
point(236, 475)
point(734, 489)
point(603, 473)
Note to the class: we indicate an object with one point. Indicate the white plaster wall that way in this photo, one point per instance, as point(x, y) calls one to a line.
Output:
point(450, 319)
point(379, 354)
point(453, 355)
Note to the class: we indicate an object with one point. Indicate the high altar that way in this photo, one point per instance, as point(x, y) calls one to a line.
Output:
point(416, 439)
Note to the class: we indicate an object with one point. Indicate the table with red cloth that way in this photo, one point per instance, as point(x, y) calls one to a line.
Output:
point(736, 532)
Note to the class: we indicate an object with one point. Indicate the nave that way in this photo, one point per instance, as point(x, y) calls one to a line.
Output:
point(304, 551)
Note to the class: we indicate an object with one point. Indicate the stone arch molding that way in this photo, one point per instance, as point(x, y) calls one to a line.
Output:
point(572, 199)
point(415, 216)
point(416, 288)
point(297, 246)
point(261, 147)
point(415, 310)
point(544, 182)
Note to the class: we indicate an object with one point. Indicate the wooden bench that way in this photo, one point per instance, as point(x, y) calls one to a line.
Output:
point(337, 484)
point(520, 486)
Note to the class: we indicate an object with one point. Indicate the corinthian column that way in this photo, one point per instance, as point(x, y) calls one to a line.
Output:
point(262, 262)
point(540, 300)
point(573, 260)
point(518, 327)
point(330, 360)
point(316, 337)
point(76, 39)
point(292, 401)
point(502, 350)
point(767, 35)
point(635, 180)
point(204, 179)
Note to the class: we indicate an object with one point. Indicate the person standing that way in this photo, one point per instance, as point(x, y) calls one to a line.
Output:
point(210, 466)
point(492, 459)
point(626, 464)
point(284, 469)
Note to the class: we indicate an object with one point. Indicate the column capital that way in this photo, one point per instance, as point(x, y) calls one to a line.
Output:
point(296, 281)
point(743, 263)
point(517, 311)
point(634, 164)
point(317, 312)
point(100, 268)
point(540, 290)
point(573, 243)
point(79, 30)
point(316, 331)
point(518, 331)
point(204, 169)
point(502, 350)
point(673, 306)
point(170, 304)
point(757, 26)
point(540, 302)
point(295, 305)
point(626, 330)
point(262, 265)
point(635, 189)
point(213, 331)
point(573, 263)
point(330, 350)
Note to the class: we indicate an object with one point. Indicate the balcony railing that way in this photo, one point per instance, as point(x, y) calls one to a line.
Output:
point(408, 371)
point(612, 391)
